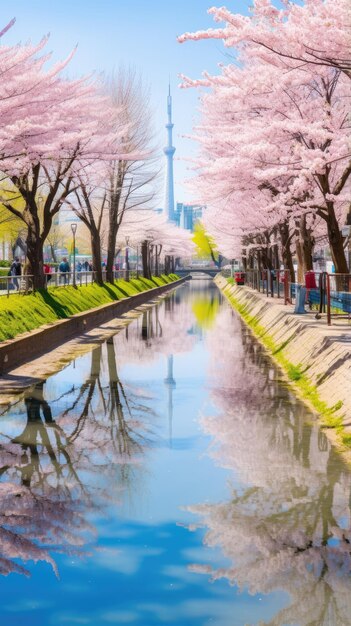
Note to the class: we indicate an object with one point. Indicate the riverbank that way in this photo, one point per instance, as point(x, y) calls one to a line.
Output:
point(25, 312)
point(68, 311)
point(315, 359)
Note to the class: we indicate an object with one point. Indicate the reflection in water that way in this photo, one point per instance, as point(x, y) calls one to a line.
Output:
point(171, 384)
point(81, 451)
point(56, 471)
point(205, 310)
point(288, 524)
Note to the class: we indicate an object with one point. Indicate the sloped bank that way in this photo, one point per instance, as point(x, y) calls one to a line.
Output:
point(27, 346)
point(315, 358)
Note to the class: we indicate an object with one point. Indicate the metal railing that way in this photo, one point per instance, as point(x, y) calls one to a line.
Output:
point(274, 283)
point(15, 284)
point(322, 292)
point(338, 296)
point(24, 284)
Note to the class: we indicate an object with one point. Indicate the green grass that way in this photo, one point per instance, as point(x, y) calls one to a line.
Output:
point(330, 416)
point(21, 313)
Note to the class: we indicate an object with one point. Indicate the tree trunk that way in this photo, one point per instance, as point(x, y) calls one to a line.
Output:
point(111, 249)
point(299, 255)
point(145, 259)
point(266, 259)
point(307, 241)
point(53, 255)
point(336, 243)
point(286, 250)
point(158, 250)
point(250, 261)
point(96, 255)
point(35, 257)
point(114, 217)
point(151, 258)
point(276, 260)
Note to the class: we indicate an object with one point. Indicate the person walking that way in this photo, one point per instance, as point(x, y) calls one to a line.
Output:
point(15, 272)
point(64, 270)
point(47, 272)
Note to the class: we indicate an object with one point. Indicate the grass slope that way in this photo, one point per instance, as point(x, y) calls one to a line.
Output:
point(22, 313)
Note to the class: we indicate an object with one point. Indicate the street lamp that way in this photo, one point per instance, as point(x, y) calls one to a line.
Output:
point(74, 229)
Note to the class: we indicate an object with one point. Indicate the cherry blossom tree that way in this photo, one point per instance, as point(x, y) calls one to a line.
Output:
point(90, 205)
point(155, 236)
point(131, 178)
point(52, 129)
point(274, 162)
point(315, 33)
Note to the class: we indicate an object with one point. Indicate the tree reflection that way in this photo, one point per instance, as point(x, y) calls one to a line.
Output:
point(60, 468)
point(205, 310)
point(71, 451)
point(161, 329)
point(289, 527)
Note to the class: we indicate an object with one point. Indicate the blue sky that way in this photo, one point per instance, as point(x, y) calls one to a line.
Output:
point(139, 33)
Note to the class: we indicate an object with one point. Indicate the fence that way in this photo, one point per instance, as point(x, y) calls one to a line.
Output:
point(274, 283)
point(23, 284)
point(338, 294)
point(322, 292)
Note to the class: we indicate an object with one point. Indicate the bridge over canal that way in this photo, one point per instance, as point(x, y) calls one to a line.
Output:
point(185, 271)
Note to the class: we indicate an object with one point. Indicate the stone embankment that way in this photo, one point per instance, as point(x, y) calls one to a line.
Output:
point(315, 357)
point(29, 345)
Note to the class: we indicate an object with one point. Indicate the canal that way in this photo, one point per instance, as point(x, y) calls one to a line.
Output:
point(170, 477)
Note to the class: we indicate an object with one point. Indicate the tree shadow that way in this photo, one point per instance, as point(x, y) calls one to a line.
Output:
point(60, 310)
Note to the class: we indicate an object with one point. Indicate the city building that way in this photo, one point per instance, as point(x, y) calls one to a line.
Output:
point(188, 214)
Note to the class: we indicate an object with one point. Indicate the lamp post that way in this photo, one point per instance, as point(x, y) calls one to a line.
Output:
point(74, 229)
point(137, 261)
point(127, 259)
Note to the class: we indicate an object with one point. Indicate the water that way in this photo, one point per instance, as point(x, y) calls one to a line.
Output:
point(170, 477)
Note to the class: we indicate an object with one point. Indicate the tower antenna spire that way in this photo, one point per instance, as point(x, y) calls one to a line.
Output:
point(169, 151)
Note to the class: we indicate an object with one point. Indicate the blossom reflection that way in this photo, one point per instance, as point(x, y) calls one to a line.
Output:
point(65, 458)
point(287, 526)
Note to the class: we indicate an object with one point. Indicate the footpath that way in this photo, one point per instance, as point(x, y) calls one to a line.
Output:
point(314, 356)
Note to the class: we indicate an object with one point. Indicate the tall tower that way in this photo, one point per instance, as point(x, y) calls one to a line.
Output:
point(169, 151)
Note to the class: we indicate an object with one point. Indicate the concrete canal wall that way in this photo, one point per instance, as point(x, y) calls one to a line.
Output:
point(315, 357)
point(26, 347)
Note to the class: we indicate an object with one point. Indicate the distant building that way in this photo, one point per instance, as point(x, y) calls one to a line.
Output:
point(188, 214)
